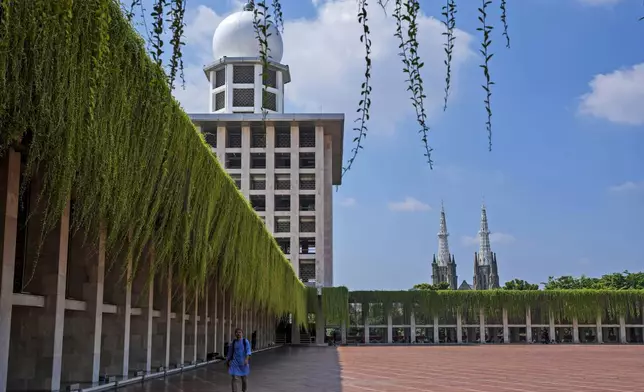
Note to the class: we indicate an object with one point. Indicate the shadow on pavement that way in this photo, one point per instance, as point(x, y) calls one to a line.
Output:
point(287, 369)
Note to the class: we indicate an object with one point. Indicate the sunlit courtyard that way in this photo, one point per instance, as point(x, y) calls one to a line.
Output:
point(492, 368)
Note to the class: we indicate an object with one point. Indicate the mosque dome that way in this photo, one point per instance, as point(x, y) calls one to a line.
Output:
point(235, 37)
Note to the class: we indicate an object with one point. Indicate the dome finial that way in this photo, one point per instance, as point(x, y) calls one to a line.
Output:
point(249, 6)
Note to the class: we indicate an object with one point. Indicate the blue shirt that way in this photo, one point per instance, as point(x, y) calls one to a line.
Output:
point(236, 356)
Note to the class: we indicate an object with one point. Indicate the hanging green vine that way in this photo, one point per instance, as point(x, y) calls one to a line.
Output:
point(262, 23)
point(486, 29)
point(504, 20)
point(449, 13)
point(95, 115)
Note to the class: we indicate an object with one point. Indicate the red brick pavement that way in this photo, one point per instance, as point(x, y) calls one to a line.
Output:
point(487, 368)
point(493, 368)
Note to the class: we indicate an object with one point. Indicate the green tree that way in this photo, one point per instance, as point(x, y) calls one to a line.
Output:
point(519, 284)
point(615, 281)
point(432, 287)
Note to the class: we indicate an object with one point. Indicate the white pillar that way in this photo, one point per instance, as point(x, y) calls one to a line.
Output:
point(482, 325)
point(343, 333)
point(622, 329)
point(205, 324)
point(95, 303)
point(10, 185)
point(367, 338)
point(195, 326)
point(437, 336)
point(412, 321)
point(126, 316)
point(459, 327)
point(215, 319)
point(168, 319)
point(551, 321)
point(183, 324)
point(149, 314)
point(270, 178)
point(245, 163)
point(506, 328)
point(575, 330)
point(295, 201)
point(222, 322)
point(390, 329)
point(528, 325)
point(600, 337)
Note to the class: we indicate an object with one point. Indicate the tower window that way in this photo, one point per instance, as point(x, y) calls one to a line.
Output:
point(282, 160)
point(307, 202)
point(220, 100)
point(307, 160)
point(258, 137)
point(233, 161)
point(284, 244)
point(307, 246)
point(258, 182)
point(270, 78)
point(282, 224)
point(307, 182)
point(282, 181)
point(282, 136)
point(270, 101)
point(211, 138)
point(237, 179)
point(307, 224)
point(233, 137)
point(243, 97)
point(258, 160)
point(220, 77)
point(244, 74)
point(307, 271)
point(307, 136)
point(282, 202)
point(258, 202)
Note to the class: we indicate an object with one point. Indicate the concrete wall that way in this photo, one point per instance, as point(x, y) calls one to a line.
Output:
point(78, 316)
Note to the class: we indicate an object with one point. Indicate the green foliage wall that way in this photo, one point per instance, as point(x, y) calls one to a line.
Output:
point(78, 88)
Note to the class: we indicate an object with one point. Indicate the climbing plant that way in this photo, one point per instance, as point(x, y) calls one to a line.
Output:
point(95, 114)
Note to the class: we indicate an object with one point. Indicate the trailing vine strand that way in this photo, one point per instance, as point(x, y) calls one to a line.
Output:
point(449, 13)
point(486, 29)
point(365, 94)
point(504, 20)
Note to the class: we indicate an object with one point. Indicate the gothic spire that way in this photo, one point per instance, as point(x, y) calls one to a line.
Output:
point(485, 252)
point(444, 256)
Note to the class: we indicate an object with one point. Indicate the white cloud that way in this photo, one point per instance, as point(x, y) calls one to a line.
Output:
point(617, 96)
point(409, 205)
point(495, 238)
point(348, 202)
point(628, 186)
point(326, 60)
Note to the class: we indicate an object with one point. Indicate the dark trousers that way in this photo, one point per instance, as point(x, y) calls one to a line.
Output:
point(244, 383)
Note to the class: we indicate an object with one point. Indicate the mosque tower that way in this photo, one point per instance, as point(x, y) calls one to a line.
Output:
point(285, 164)
point(444, 267)
point(486, 274)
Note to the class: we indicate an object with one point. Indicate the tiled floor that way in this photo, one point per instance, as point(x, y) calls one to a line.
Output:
point(492, 368)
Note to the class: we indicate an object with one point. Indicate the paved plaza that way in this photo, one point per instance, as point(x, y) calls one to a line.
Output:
point(491, 368)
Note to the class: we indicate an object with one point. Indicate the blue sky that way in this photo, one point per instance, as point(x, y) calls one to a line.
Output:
point(563, 185)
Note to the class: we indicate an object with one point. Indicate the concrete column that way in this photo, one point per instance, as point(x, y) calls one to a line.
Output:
point(215, 319)
point(551, 321)
point(412, 332)
point(167, 313)
point(149, 314)
point(230, 319)
point(575, 330)
point(600, 338)
point(343, 333)
point(320, 323)
point(482, 326)
point(366, 329)
point(295, 332)
point(506, 329)
point(204, 321)
point(390, 329)
point(125, 317)
point(459, 328)
point(183, 323)
point(221, 144)
point(437, 337)
point(270, 177)
point(622, 329)
point(222, 322)
point(195, 326)
point(528, 325)
point(245, 156)
point(95, 303)
point(320, 193)
point(9, 192)
point(295, 201)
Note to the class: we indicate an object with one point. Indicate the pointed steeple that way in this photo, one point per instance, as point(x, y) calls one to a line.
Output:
point(485, 252)
point(444, 256)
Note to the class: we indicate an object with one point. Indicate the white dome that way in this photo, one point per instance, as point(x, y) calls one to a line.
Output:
point(235, 37)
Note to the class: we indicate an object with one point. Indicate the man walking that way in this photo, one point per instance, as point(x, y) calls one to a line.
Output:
point(237, 360)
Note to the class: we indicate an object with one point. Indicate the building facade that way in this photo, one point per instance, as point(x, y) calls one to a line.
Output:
point(284, 164)
point(486, 275)
point(444, 266)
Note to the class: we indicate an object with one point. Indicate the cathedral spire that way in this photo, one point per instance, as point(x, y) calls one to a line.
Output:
point(485, 252)
point(444, 256)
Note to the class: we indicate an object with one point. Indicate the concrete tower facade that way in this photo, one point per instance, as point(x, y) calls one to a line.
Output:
point(444, 266)
point(486, 274)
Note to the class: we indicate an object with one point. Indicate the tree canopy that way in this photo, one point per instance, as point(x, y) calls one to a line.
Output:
point(519, 284)
point(433, 287)
point(615, 281)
